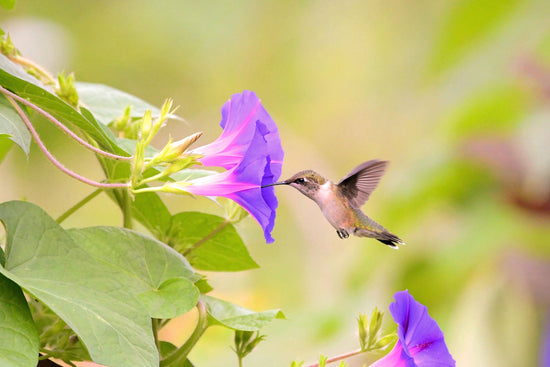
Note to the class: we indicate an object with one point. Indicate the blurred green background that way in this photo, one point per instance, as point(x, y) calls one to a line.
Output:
point(456, 94)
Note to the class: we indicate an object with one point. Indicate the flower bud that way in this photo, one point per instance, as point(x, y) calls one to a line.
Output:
point(7, 47)
point(177, 148)
point(166, 109)
point(66, 89)
point(146, 125)
point(122, 122)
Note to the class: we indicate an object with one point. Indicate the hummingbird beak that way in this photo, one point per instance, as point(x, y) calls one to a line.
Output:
point(276, 183)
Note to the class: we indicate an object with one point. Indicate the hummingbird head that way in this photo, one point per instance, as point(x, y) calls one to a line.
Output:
point(307, 182)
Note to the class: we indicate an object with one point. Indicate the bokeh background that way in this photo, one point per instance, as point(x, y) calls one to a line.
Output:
point(456, 94)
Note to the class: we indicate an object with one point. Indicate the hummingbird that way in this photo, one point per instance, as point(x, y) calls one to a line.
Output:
point(341, 202)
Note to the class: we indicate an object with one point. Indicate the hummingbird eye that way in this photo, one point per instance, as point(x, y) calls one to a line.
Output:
point(300, 180)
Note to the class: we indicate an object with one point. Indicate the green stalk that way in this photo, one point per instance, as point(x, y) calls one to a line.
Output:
point(205, 238)
point(78, 205)
point(180, 355)
point(126, 209)
point(156, 327)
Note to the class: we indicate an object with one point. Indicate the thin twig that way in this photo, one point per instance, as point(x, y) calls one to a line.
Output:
point(78, 205)
point(205, 238)
point(339, 357)
point(52, 158)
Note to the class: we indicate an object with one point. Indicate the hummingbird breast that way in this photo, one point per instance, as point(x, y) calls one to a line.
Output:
point(335, 207)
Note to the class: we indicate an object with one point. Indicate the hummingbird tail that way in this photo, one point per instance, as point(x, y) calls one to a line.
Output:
point(389, 239)
point(374, 230)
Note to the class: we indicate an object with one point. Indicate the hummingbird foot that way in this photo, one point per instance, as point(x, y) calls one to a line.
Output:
point(342, 233)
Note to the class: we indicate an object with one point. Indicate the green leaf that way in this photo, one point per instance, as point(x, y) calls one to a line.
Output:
point(11, 124)
point(152, 268)
point(166, 348)
point(172, 298)
point(149, 209)
point(55, 335)
point(108, 103)
point(18, 336)
point(218, 246)
point(91, 278)
point(14, 77)
point(237, 317)
point(8, 4)
point(17, 71)
point(5, 146)
point(467, 22)
point(203, 286)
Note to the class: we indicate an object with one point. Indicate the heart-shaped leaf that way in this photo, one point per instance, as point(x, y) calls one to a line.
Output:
point(18, 336)
point(107, 103)
point(91, 278)
point(213, 242)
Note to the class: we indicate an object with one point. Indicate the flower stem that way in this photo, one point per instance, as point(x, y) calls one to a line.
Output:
point(180, 355)
point(127, 209)
point(52, 158)
point(156, 326)
point(146, 189)
point(62, 127)
point(150, 179)
point(78, 205)
point(205, 238)
point(339, 357)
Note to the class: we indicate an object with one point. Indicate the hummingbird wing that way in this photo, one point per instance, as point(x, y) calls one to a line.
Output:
point(361, 181)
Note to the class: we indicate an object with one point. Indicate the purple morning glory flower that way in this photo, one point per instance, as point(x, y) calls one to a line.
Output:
point(242, 182)
point(240, 116)
point(421, 342)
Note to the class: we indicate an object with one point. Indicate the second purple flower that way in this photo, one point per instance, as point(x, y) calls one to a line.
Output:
point(421, 342)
